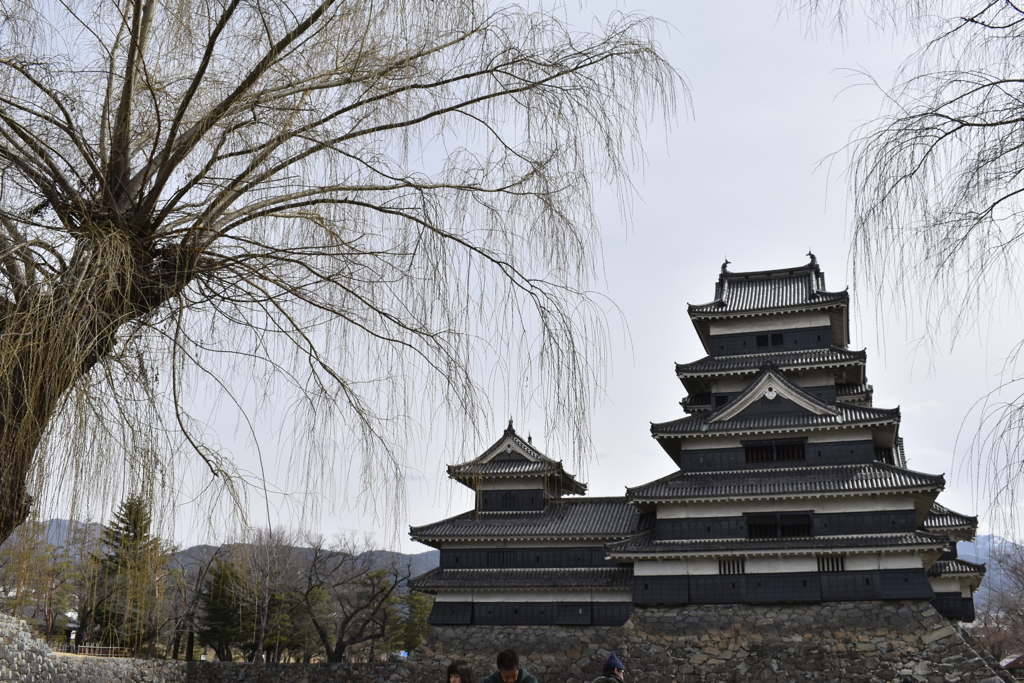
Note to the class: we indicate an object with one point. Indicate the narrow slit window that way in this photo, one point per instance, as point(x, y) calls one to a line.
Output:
point(728, 567)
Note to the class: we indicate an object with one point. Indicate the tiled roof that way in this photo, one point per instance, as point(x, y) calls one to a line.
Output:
point(849, 414)
point(693, 402)
point(506, 467)
point(644, 544)
point(940, 517)
point(768, 290)
point(843, 390)
point(596, 518)
point(958, 566)
point(519, 459)
point(855, 478)
point(833, 356)
point(579, 578)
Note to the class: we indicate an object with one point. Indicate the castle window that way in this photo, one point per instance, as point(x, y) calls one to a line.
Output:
point(508, 501)
point(501, 558)
point(762, 526)
point(732, 567)
point(836, 563)
point(777, 339)
point(762, 340)
point(796, 525)
point(774, 451)
point(721, 401)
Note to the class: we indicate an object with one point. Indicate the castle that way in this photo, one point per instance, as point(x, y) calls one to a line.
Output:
point(792, 488)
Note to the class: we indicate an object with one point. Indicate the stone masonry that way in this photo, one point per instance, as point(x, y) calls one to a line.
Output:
point(860, 642)
point(863, 641)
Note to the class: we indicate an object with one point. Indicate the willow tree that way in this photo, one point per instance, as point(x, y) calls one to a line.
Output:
point(937, 192)
point(346, 204)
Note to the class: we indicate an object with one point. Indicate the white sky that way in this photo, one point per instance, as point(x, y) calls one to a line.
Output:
point(740, 179)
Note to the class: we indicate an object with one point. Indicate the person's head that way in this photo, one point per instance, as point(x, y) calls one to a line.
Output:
point(460, 671)
point(508, 666)
point(613, 666)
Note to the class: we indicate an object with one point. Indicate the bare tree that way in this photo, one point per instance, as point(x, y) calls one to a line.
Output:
point(270, 564)
point(1000, 619)
point(355, 202)
point(936, 191)
point(351, 596)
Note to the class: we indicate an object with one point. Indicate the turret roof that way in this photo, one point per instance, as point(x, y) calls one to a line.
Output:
point(761, 290)
point(858, 479)
point(956, 567)
point(511, 456)
point(571, 518)
point(807, 359)
point(846, 415)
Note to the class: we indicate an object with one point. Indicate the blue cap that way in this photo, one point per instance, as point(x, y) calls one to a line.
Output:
point(613, 663)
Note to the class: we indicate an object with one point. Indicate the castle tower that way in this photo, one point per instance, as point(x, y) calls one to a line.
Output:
point(792, 486)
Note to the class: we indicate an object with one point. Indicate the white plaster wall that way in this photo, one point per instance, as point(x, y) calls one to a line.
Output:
point(778, 565)
point(872, 561)
point(828, 436)
point(941, 585)
point(732, 508)
point(770, 322)
point(675, 567)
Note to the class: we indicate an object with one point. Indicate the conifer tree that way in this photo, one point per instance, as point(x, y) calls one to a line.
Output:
point(130, 569)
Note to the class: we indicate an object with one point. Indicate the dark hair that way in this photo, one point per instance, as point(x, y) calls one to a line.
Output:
point(508, 660)
point(463, 669)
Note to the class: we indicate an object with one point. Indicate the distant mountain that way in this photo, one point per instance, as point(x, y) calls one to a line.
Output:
point(418, 563)
point(981, 552)
point(57, 530)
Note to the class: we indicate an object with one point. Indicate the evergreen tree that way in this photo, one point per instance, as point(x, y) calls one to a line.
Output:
point(227, 617)
point(131, 566)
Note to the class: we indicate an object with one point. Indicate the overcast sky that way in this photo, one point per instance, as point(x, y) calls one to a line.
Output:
point(742, 178)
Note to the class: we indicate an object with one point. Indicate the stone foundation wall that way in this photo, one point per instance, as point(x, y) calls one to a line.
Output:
point(863, 641)
point(26, 658)
point(859, 642)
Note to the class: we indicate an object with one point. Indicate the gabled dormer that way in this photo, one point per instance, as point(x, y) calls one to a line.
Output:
point(512, 475)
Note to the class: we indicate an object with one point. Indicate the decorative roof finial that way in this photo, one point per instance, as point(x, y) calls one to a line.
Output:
point(529, 439)
point(814, 260)
point(725, 266)
point(509, 429)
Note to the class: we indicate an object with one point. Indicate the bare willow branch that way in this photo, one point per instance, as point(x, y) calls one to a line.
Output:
point(327, 216)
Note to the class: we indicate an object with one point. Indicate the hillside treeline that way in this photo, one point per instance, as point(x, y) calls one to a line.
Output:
point(269, 599)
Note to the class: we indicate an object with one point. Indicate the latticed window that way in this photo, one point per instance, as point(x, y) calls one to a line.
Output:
point(777, 339)
point(789, 451)
point(508, 501)
point(761, 452)
point(762, 340)
point(732, 567)
point(762, 526)
point(832, 563)
point(501, 558)
point(794, 526)
point(775, 451)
